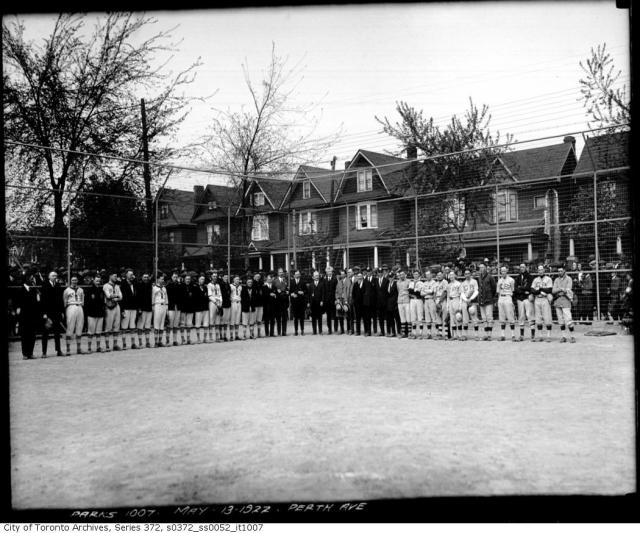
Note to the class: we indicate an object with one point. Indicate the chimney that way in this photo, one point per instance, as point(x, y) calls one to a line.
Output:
point(412, 154)
point(346, 164)
point(570, 139)
point(198, 194)
point(412, 151)
point(333, 163)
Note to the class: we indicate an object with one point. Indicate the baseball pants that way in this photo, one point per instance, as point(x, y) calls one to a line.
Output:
point(248, 318)
point(564, 316)
point(75, 319)
point(417, 311)
point(469, 313)
point(202, 319)
point(174, 318)
point(186, 319)
point(112, 320)
point(128, 319)
point(542, 311)
point(430, 311)
point(144, 320)
point(526, 312)
point(236, 313)
point(505, 310)
point(404, 310)
point(486, 312)
point(94, 325)
point(159, 316)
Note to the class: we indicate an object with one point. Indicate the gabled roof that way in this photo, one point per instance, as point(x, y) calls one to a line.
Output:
point(607, 151)
point(535, 163)
point(223, 195)
point(274, 191)
point(325, 182)
point(180, 204)
point(391, 170)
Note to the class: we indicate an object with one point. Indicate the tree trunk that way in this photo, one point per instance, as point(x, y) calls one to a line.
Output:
point(59, 230)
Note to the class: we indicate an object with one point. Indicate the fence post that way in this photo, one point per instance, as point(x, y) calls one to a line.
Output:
point(155, 240)
point(69, 249)
point(293, 236)
point(595, 233)
point(347, 226)
point(497, 211)
point(229, 241)
point(415, 198)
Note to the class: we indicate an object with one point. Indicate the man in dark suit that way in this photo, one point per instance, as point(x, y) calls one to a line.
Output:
point(380, 286)
point(393, 317)
point(317, 297)
point(29, 313)
point(282, 312)
point(53, 309)
point(362, 299)
point(371, 278)
point(331, 282)
point(298, 294)
point(270, 302)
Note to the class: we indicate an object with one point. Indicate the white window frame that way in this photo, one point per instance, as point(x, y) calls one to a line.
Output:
point(536, 199)
point(260, 228)
point(172, 237)
point(212, 205)
point(308, 223)
point(216, 229)
point(364, 178)
point(456, 210)
point(371, 217)
point(505, 196)
point(258, 199)
point(164, 211)
point(209, 228)
point(306, 189)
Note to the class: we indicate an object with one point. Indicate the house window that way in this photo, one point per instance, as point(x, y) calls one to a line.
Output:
point(260, 228)
point(308, 223)
point(164, 211)
point(306, 190)
point(209, 233)
point(505, 206)
point(216, 229)
point(456, 211)
point(540, 202)
point(367, 216)
point(172, 237)
point(258, 199)
point(212, 205)
point(365, 180)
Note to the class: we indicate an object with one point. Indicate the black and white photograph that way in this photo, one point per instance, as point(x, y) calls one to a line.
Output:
point(295, 262)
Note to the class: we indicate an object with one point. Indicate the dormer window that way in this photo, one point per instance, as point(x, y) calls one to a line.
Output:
point(212, 205)
point(306, 189)
point(365, 180)
point(505, 206)
point(258, 199)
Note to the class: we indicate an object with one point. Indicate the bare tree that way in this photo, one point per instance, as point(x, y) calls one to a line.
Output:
point(605, 101)
point(270, 134)
point(79, 91)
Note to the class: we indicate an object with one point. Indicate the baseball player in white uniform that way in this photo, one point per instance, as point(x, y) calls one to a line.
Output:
point(404, 303)
point(428, 294)
point(73, 297)
point(416, 305)
point(506, 313)
point(174, 294)
point(469, 299)
point(113, 297)
point(563, 292)
point(454, 306)
point(541, 288)
point(441, 304)
point(215, 305)
point(160, 305)
point(257, 285)
point(236, 309)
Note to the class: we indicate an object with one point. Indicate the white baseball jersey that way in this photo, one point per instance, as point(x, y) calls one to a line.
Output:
point(73, 296)
point(214, 293)
point(235, 293)
point(159, 295)
point(416, 286)
point(541, 282)
point(506, 286)
point(428, 288)
point(112, 290)
point(454, 289)
point(469, 290)
point(441, 288)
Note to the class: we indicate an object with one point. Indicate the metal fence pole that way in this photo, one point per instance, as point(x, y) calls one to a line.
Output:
point(229, 241)
point(497, 208)
point(347, 226)
point(415, 198)
point(595, 233)
point(69, 249)
point(293, 236)
point(155, 240)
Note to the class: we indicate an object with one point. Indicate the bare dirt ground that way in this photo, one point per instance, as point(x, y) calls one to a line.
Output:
point(322, 418)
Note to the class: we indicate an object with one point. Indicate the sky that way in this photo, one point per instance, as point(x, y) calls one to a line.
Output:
point(357, 61)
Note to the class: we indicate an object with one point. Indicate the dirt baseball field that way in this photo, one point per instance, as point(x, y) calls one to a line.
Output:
point(322, 418)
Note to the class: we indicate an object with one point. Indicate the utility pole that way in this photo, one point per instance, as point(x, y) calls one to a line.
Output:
point(146, 174)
